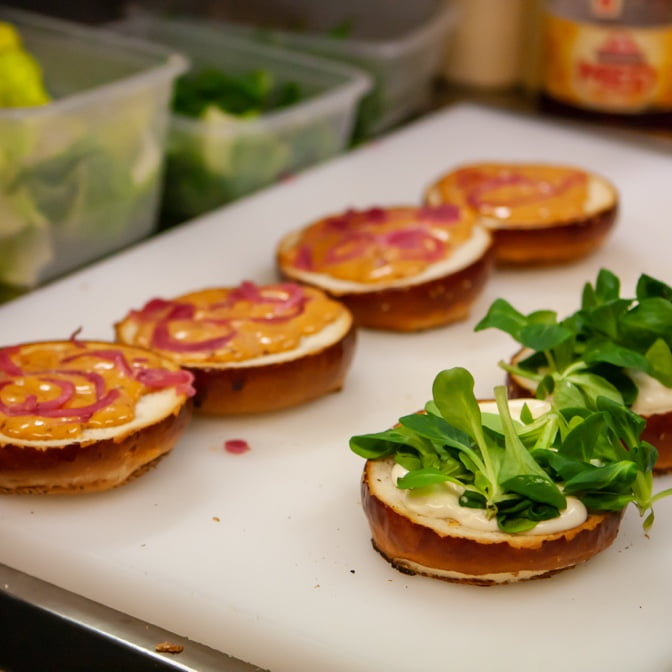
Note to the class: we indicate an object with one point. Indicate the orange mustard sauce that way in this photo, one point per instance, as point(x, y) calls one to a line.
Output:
point(519, 194)
point(43, 366)
point(379, 245)
point(253, 328)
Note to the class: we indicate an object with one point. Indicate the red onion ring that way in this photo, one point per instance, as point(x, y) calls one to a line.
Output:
point(54, 407)
point(163, 309)
point(67, 392)
point(74, 340)
point(351, 246)
point(304, 258)
point(94, 378)
point(83, 412)
point(543, 190)
point(7, 366)
point(30, 405)
point(284, 308)
point(160, 378)
point(416, 243)
point(444, 213)
point(375, 215)
point(162, 340)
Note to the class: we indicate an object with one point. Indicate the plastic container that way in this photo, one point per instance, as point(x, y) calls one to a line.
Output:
point(400, 44)
point(216, 159)
point(80, 176)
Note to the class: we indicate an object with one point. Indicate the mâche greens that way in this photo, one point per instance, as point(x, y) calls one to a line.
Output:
point(520, 470)
point(588, 354)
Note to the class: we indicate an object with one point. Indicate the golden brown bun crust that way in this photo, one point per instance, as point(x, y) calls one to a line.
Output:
point(272, 387)
point(415, 307)
point(564, 243)
point(658, 429)
point(407, 545)
point(658, 432)
point(79, 468)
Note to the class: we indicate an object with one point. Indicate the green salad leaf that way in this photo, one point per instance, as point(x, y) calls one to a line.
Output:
point(519, 470)
point(592, 352)
point(244, 94)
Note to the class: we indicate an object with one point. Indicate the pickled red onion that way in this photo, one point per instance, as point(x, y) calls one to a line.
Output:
point(375, 215)
point(249, 291)
point(246, 291)
point(95, 378)
point(445, 212)
point(7, 366)
point(284, 308)
point(82, 412)
point(74, 340)
point(542, 189)
point(54, 407)
point(161, 308)
point(304, 259)
point(162, 339)
point(31, 406)
point(352, 246)
point(412, 242)
point(160, 378)
point(67, 392)
point(236, 446)
point(416, 243)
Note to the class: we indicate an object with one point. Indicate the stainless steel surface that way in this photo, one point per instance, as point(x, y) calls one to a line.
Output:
point(121, 629)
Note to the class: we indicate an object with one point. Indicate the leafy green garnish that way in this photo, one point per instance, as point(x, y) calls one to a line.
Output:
point(244, 94)
point(588, 354)
point(519, 470)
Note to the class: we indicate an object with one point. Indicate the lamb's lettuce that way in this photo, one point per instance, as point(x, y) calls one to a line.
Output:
point(519, 470)
point(588, 354)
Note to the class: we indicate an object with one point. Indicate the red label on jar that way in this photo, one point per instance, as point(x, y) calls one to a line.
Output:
point(609, 68)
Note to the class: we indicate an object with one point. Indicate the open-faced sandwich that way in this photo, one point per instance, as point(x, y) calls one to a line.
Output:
point(538, 213)
point(251, 348)
point(402, 268)
point(492, 492)
point(84, 416)
point(611, 346)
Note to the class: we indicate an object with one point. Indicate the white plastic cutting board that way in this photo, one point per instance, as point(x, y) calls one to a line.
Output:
point(266, 555)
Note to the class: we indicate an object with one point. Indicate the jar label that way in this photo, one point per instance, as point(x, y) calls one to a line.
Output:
point(609, 68)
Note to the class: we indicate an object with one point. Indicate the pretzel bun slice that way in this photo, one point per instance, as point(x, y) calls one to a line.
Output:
point(539, 214)
point(444, 549)
point(400, 268)
point(251, 348)
point(86, 416)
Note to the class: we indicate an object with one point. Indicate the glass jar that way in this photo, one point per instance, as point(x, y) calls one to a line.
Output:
point(609, 56)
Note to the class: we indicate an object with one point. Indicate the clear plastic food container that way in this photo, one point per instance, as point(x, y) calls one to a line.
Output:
point(217, 158)
point(400, 44)
point(80, 175)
